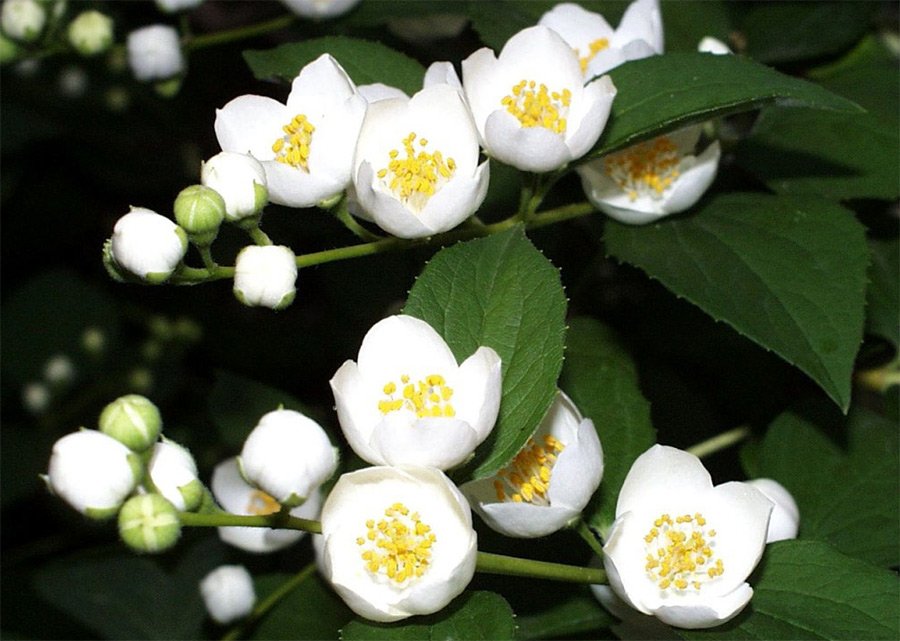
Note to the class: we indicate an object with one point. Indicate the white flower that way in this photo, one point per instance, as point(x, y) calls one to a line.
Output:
point(305, 146)
point(320, 8)
point(265, 276)
point(634, 624)
point(92, 472)
point(380, 91)
point(174, 6)
point(529, 105)
point(91, 32)
point(407, 402)
point(713, 45)
point(237, 496)
point(148, 245)
point(288, 456)
point(398, 541)
point(600, 48)
point(228, 593)
point(172, 472)
point(239, 179)
point(651, 179)
point(443, 72)
point(680, 549)
point(549, 482)
point(154, 53)
point(22, 19)
point(785, 520)
point(416, 165)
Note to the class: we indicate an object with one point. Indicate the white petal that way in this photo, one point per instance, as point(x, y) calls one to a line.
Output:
point(380, 91)
point(642, 20)
point(706, 612)
point(477, 396)
point(604, 61)
point(578, 469)
point(356, 404)
point(624, 560)
point(535, 149)
point(403, 345)
point(660, 475)
point(525, 520)
point(250, 124)
point(586, 122)
point(442, 73)
point(479, 71)
point(322, 81)
point(693, 182)
point(785, 519)
point(456, 201)
point(578, 26)
point(441, 443)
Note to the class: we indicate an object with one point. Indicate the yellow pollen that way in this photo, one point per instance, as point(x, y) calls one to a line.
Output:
point(399, 545)
point(534, 105)
point(595, 47)
point(679, 552)
point(414, 177)
point(645, 169)
point(262, 504)
point(527, 477)
point(292, 148)
point(428, 397)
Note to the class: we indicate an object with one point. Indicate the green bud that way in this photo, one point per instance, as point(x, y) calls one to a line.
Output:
point(9, 50)
point(200, 211)
point(192, 493)
point(149, 523)
point(133, 420)
point(91, 33)
point(262, 196)
point(140, 379)
point(112, 267)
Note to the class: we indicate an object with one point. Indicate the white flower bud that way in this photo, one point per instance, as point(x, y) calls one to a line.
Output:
point(133, 420)
point(173, 473)
point(148, 245)
point(237, 178)
point(288, 456)
point(785, 520)
point(320, 8)
point(93, 340)
point(91, 33)
point(265, 276)
point(149, 523)
point(92, 472)
point(154, 53)
point(714, 46)
point(59, 370)
point(174, 6)
point(36, 397)
point(23, 19)
point(228, 593)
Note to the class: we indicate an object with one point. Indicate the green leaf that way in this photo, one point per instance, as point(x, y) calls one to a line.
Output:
point(365, 61)
point(501, 292)
point(848, 500)
point(602, 380)
point(578, 615)
point(472, 616)
point(310, 611)
point(883, 295)
point(687, 22)
point(663, 93)
point(789, 273)
point(809, 590)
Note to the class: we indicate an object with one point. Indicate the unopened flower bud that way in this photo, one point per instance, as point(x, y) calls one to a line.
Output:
point(133, 420)
point(265, 276)
point(174, 6)
point(149, 523)
point(240, 180)
point(173, 473)
point(714, 46)
point(147, 245)
point(154, 53)
point(23, 20)
point(93, 472)
point(200, 211)
point(228, 593)
point(91, 33)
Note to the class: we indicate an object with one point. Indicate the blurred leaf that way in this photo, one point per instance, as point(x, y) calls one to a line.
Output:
point(501, 292)
point(579, 615)
point(472, 616)
point(311, 611)
point(779, 32)
point(601, 379)
point(19, 473)
point(663, 93)
point(371, 14)
point(808, 590)
point(365, 61)
point(497, 21)
point(789, 273)
point(883, 295)
point(687, 22)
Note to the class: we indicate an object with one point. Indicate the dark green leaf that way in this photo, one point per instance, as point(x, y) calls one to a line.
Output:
point(883, 295)
point(365, 61)
point(789, 273)
point(501, 292)
point(809, 590)
point(472, 616)
point(601, 378)
point(310, 611)
point(577, 616)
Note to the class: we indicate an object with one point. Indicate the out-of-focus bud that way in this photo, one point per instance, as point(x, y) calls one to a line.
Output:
point(93, 340)
point(140, 379)
point(59, 370)
point(174, 6)
point(117, 99)
point(73, 82)
point(200, 211)
point(240, 180)
point(23, 20)
point(785, 520)
point(148, 245)
point(168, 88)
point(149, 523)
point(265, 276)
point(319, 9)
point(154, 53)
point(173, 473)
point(228, 593)
point(36, 397)
point(133, 420)
point(91, 33)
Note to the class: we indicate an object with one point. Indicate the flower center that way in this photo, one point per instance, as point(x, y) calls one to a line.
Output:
point(680, 552)
point(261, 504)
point(534, 105)
point(427, 397)
point(293, 147)
point(527, 478)
point(398, 546)
point(415, 177)
point(595, 47)
point(646, 169)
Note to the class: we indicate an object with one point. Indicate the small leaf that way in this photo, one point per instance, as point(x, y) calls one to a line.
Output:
point(578, 615)
point(809, 590)
point(601, 379)
point(365, 61)
point(501, 292)
point(789, 273)
point(883, 295)
point(472, 615)
point(310, 611)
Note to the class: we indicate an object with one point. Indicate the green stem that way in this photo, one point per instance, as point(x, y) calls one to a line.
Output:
point(257, 235)
point(719, 442)
point(263, 607)
point(239, 33)
point(588, 535)
point(343, 214)
point(194, 275)
point(277, 520)
point(514, 566)
point(206, 255)
point(879, 379)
